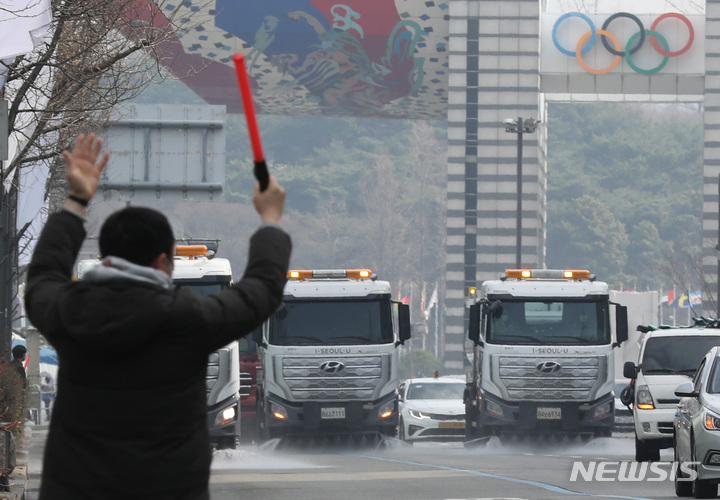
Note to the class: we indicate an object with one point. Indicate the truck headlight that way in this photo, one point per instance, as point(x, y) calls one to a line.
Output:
point(493, 408)
point(711, 421)
point(603, 410)
point(226, 416)
point(278, 411)
point(418, 415)
point(643, 398)
point(387, 409)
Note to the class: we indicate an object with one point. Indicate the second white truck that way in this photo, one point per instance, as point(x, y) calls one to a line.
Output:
point(543, 358)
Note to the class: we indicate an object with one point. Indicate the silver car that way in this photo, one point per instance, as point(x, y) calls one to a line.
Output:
point(432, 408)
point(697, 431)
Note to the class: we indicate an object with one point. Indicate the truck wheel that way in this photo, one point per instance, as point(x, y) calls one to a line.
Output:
point(254, 436)
point(226, 443)
point(388, 430)
point(401, 431)
point(645, 452)
point(470, 431)
point(471, 414)
point(605, 432)
point(263, 433)
point(472, 434)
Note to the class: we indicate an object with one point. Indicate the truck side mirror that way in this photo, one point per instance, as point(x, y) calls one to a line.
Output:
point(403, 322)
point(493, 308)
point(474, 324)
point(621, 324)
point(629, 370)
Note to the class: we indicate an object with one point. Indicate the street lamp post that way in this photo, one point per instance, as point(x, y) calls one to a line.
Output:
point(519, 127)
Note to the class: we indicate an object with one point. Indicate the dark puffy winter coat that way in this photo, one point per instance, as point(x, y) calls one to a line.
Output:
point(129, 419)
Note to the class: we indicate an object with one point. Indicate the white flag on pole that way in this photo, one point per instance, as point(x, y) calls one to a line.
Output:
point(433, 299)
point(23, 25)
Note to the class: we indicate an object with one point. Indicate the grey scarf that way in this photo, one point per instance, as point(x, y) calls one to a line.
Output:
point(112, 268)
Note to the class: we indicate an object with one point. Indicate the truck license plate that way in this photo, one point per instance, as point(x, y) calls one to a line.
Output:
point(549, 413)
point(328, 413)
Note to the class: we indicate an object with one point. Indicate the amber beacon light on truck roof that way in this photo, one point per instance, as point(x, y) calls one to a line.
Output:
point(190, 250)
point(331, 274)
point(568, 274)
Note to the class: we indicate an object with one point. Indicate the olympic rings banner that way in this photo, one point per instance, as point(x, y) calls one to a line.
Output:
point(620, 43)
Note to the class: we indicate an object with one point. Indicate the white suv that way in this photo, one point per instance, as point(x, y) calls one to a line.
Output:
point(668, 357)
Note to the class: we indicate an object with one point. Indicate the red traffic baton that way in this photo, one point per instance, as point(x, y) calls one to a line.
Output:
point(260, 170)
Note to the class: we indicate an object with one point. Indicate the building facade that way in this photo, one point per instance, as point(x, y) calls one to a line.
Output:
point(508, 60)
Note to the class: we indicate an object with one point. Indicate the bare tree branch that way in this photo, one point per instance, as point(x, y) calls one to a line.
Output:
point(97, 55)
point(686, 273)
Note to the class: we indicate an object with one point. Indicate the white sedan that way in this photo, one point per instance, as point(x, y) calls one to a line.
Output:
point(431, 409)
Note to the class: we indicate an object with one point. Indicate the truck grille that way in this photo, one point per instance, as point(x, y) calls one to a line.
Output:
point(357, 380)
point(574, 380)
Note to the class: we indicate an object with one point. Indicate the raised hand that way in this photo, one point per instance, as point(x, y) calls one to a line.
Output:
point(271, 202)
point(84, 166)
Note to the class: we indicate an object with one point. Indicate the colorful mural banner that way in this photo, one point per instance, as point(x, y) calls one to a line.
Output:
point(379, 58)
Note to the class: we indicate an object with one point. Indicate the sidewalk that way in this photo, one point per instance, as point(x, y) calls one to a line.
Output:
point(25, 478)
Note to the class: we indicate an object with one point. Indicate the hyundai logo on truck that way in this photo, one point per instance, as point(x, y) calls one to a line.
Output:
point(548, 367)
point(332, 366)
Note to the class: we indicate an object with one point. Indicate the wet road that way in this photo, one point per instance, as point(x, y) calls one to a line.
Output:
point(526, 469)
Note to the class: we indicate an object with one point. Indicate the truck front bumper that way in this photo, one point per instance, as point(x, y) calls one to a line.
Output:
point(331, 417)
point(499, 416)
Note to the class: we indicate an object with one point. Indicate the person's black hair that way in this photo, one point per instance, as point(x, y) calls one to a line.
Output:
point(136, 234)
point(19, 351)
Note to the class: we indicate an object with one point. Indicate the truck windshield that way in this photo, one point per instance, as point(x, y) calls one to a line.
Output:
point(676, 354)
point(549, 322)
point(202, 287)
point(328, 321)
